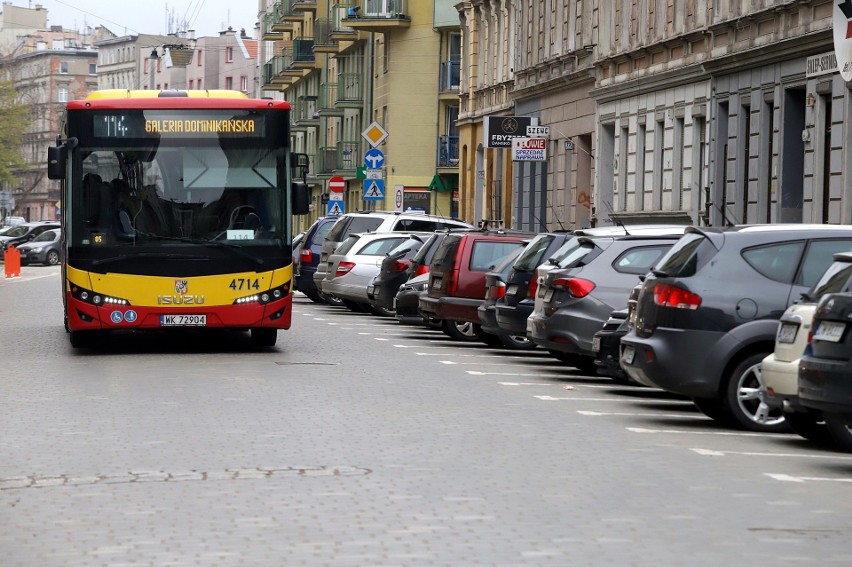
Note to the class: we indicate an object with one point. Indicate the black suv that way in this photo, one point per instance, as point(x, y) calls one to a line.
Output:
point(708, 313)
point(25, 232)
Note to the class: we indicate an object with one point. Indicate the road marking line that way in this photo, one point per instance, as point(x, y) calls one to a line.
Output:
point(477, 356)
point(555, 363)
point(692, 432)
point(655, 415)
point(523, 384)
point(553, 399)
point(715, 453)
point(790, 478)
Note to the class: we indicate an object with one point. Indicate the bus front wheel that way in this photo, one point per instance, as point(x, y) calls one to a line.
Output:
point(264, 337)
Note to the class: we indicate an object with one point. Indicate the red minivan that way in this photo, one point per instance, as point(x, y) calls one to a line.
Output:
point(457, 277)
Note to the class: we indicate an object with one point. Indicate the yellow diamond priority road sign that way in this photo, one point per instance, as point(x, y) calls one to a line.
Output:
point(374, 134)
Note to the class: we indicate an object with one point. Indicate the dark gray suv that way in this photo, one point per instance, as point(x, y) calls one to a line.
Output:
point(708, 313)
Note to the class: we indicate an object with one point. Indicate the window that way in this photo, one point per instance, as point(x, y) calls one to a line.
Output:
point(199, 84)
point(63, 68)
point(244, 83)
point(639, 260)
point(229, 83)
point(198, 61)
point(62, 94)
point(486, 255)
point(229, 55)
point(819, 257)
point(191, 82)
point(777, 261)
point(416, 225)
point(381, 247)
point(93, 69)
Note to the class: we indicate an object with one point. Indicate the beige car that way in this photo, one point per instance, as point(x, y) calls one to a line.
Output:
point(779, 371)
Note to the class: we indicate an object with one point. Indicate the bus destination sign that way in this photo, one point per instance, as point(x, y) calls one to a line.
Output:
point(136, 125)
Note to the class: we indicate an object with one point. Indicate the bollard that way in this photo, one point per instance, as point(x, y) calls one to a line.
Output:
point(12, 261)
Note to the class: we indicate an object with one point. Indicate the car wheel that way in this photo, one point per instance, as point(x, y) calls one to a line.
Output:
point(382, 311)
point(743, 403)
point(315, 296)
point(459, 330)
point(840, 433)
point(355, 306)
point(490, 339)
point(52, 257)
point(264, 337)
point(517, 342)
point(809, 426)
point(331, 300)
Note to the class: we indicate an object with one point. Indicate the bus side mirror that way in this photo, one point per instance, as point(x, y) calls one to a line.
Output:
point(300, 198)
point(56, 158)
point(301, 164)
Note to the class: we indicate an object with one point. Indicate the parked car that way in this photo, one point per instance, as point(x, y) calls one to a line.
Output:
point(25, 232)
point(825, 370)
point(354, 263)
point(779, 371)
point(573, 302)
point(378, 221)
point(513, 309)
point(306, 257)
point(9, 222)
point(394, 271)
point(495, 290)
point(46, 248)
point(457, 277)
point(406, 304)
point(708, 313)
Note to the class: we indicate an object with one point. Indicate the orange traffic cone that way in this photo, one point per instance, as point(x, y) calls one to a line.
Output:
point(12, 261)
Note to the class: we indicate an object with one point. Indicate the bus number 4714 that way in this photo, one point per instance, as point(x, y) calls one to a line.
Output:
point(244, 283)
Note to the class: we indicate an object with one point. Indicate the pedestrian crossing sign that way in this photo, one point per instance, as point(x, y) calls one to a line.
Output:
point(374, 189)
point(335, 208)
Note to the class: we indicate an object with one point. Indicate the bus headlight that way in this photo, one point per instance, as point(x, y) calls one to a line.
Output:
point(265, 297)
point(96, 299)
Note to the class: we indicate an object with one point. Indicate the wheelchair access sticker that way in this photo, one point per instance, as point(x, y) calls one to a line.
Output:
point(117, 316)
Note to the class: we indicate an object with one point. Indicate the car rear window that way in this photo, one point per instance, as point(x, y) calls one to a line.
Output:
point(486, 254)
point(688, 255)
point(838, 278)
point(445, 254)
point(818, 257)
point(777, 262)
point(532, 255)
point(381, 246)
point(321, 232)
point(348, 225)
point(572, 253)
point(347, 245)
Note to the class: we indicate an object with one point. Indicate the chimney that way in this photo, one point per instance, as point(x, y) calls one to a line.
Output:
point(243, 33)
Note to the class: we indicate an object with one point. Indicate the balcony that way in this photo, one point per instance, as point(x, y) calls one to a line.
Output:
point(272, 73)
point(339, 158)
point(339, 30)
point(377, 15)
point(306, 110)
point(304, 5)
point(303, 53)
point(290, 13)
point(328, 100)
point(323, 41)
point(274, 27)
point(448, 151)
point(350, 93)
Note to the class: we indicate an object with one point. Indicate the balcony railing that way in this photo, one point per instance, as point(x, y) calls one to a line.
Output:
point(306, 109)
point(378, 15)
point(349, 87)
point(343, 156)
point(450, 75)
point(328, 96)
point(384, 9)
point(322, 32)
point(273, 69)
point(448, 151)
point(303, 50)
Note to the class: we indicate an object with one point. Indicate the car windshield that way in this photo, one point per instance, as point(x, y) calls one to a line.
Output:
point(46, 236)
point(16, 231)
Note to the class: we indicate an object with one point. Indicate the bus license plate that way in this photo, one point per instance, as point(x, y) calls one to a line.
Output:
point(183, 320)
point(829, 331)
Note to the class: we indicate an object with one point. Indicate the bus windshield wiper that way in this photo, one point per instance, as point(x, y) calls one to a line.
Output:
point(158, 255)
point(236, 248)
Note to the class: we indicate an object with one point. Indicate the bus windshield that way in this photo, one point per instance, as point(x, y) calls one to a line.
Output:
point(167, 185)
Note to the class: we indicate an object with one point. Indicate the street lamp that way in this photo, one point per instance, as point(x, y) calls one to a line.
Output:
point(154, 57)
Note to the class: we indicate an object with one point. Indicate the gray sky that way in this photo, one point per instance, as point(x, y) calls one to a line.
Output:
point(206, 17)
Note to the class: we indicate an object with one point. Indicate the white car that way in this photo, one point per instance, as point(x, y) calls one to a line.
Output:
point(779, 372)
point(354, 264)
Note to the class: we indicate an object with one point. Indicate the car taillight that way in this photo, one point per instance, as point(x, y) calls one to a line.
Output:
point(421, 269)
point(398, 265)
point(343, 268)
point(577, 286)
point(497, 290)
point(533, 287)
point(306, 256)
point(666, 295)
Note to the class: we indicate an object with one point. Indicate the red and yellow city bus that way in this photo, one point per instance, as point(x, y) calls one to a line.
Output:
point(177, 209)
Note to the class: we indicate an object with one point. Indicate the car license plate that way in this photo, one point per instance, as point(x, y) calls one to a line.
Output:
point(183, 320)
point(548, 295)
point(829, 331)
point(512, 289)
point(787, 333)
point(370, 289)
point(436, 283)
point(596, 344)
point(627, 354)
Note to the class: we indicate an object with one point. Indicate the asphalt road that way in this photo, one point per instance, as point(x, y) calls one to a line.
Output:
point(358, 441)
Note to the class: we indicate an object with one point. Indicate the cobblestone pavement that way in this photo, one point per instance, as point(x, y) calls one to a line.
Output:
point(358, 441)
